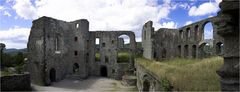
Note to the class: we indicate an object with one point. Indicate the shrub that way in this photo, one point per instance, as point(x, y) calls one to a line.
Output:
point(97, 57)
point(123, 57)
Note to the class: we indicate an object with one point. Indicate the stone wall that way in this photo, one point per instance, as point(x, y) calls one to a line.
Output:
point(16, 82)
point(147, 81)
point(57, 49)
point(187, 41)
point(228, 26)
point(108, 49)
point(147, 33)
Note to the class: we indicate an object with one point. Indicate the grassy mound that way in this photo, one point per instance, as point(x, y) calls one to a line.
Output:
point(187, 74)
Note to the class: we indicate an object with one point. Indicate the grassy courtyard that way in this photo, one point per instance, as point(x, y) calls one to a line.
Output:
point(187, 74)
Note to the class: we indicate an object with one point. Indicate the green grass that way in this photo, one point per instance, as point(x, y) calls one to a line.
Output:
point(123, 57)
point(187, 74)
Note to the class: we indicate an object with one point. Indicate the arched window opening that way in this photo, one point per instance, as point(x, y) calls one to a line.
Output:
point(208, 31)
point(123, 54)
point(125, 40)
point(205, 50)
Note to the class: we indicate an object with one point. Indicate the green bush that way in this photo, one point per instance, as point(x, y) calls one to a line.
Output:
point(123, 57)
point(12, 60)
point(97, 57)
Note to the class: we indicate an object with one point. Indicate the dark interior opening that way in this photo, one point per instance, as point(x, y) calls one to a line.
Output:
point(146, 86)
point(75, 68)
point(103, 71)
point(164, 53)
point(52, 75)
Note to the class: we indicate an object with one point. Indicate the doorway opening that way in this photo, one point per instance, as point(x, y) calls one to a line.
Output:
point(75, 68)
point(52, 75)
point(103, 71)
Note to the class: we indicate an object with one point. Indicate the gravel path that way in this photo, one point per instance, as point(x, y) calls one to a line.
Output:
point(99, 84)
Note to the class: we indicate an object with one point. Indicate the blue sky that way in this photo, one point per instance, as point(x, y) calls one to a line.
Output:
point(16, 16)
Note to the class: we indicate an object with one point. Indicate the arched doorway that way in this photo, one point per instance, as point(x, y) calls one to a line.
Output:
point(75, 68)
point(52, 75)
point(146, 86)
point(103, 71)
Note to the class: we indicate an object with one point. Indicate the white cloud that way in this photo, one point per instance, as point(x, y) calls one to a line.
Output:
point(15, 37)
point(218, 1)
point(184, 6)
point(188, 22)
point(102, 14)
point(170, 24)
point(204, 9)
point(2, 8)
point(106, 14)
point(25, 9)
point(6, 13)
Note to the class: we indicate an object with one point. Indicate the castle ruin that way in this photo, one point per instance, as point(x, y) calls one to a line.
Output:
point(58, 49)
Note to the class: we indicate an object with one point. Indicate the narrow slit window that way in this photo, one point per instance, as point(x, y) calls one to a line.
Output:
point(56, 44)
point(75, 39)
point(75, 53)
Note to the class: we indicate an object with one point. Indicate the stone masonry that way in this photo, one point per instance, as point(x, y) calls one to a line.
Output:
point(187, 41)
point(228, 26)
point(57, 49)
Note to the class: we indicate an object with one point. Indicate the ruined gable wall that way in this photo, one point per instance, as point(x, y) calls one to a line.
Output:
point(109, 47)
point(52, 46)
point(164, 44)
point(147, 33)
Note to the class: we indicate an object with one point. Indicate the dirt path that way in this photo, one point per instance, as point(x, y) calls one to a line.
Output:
point(99, 84)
